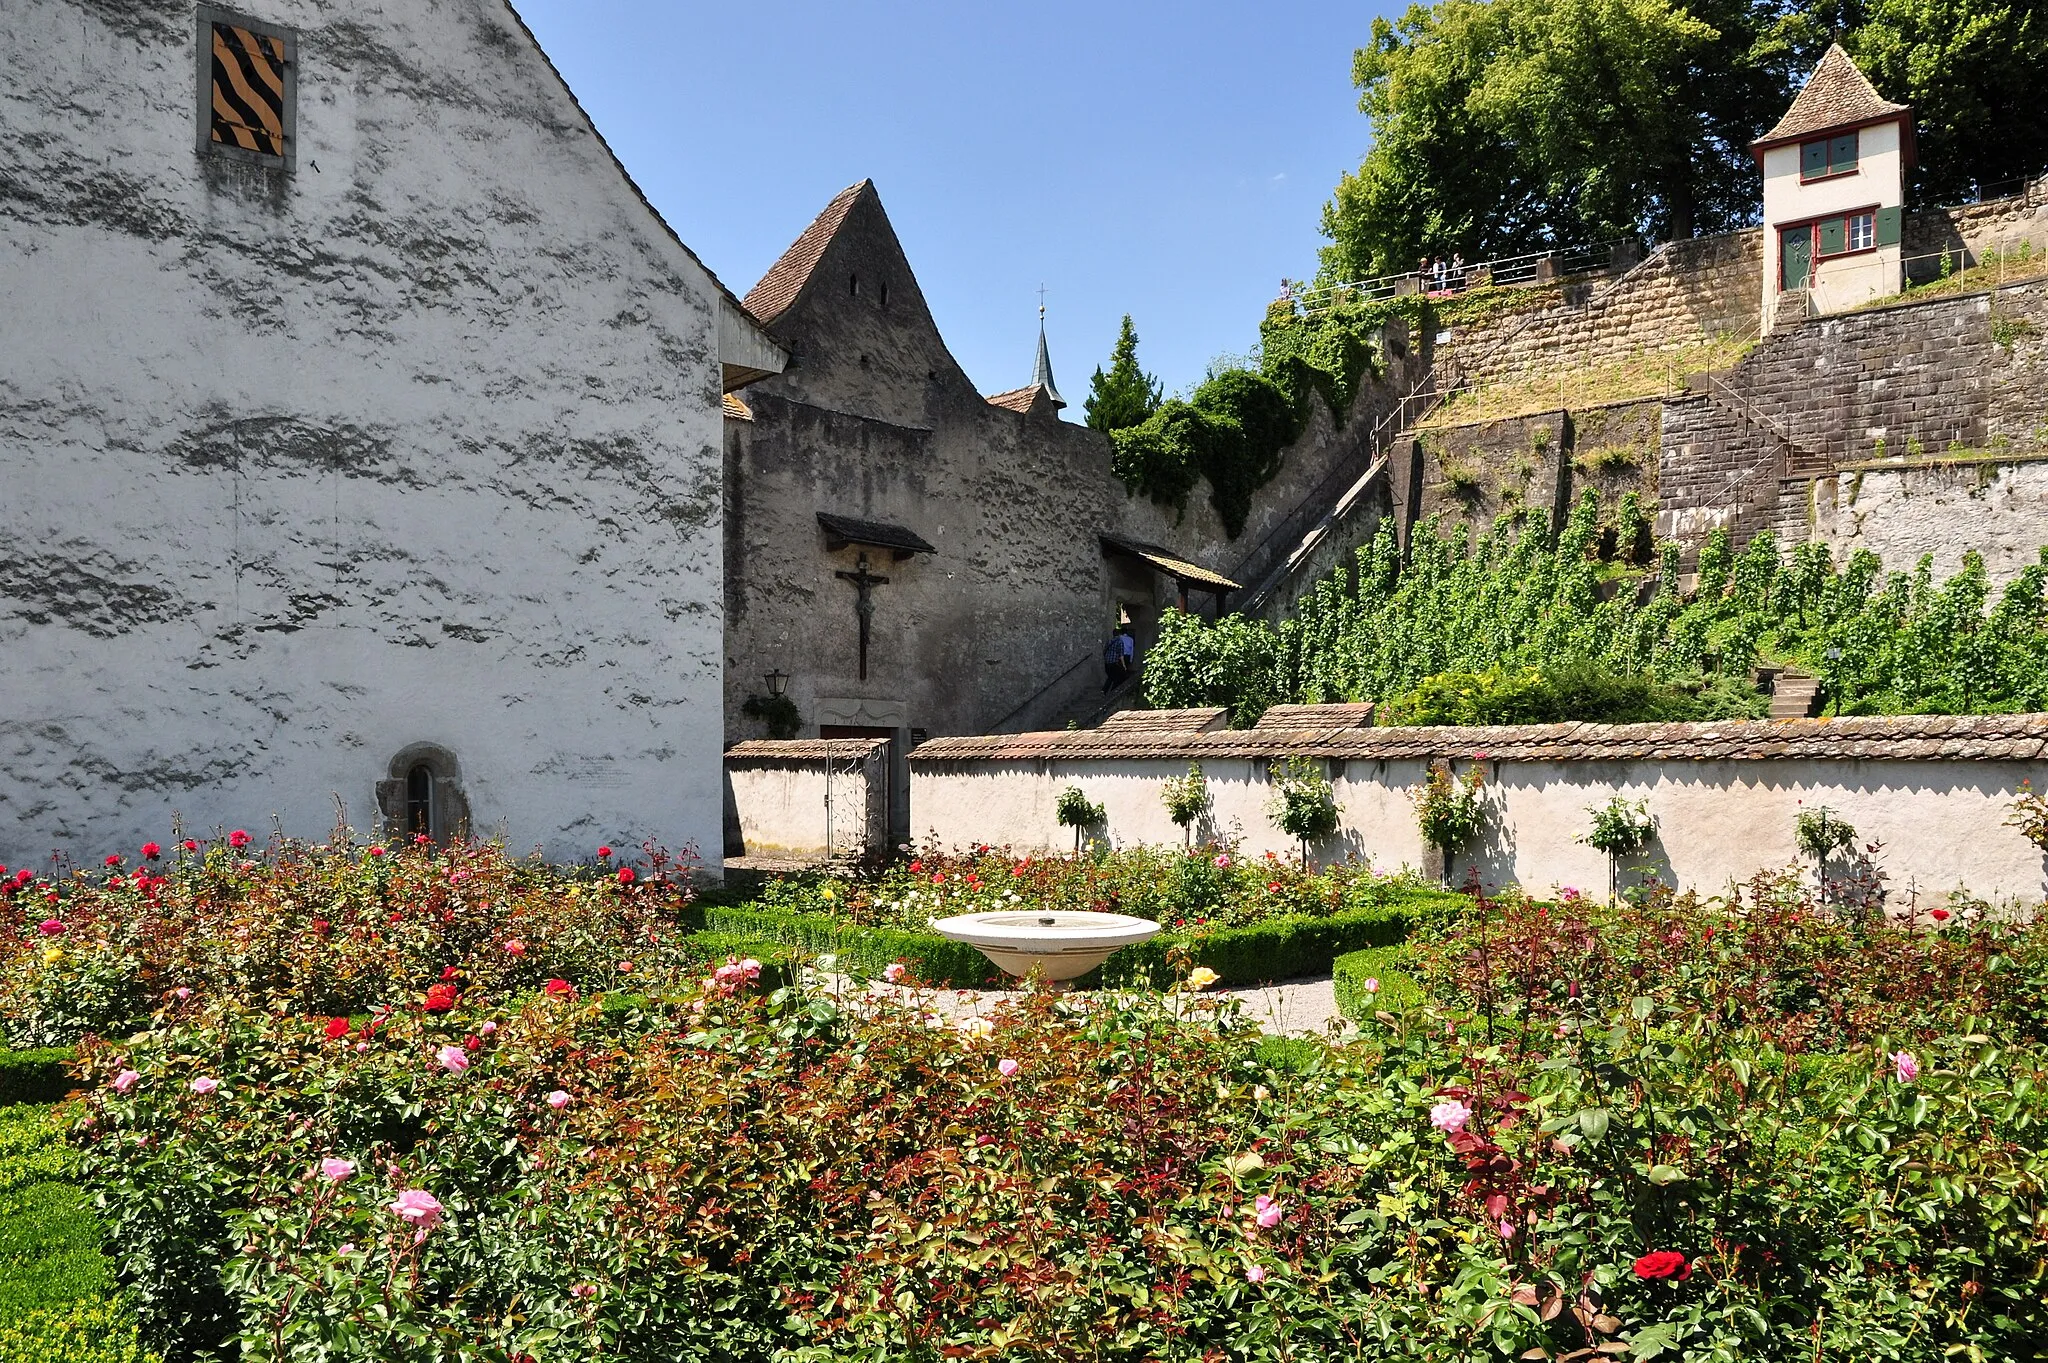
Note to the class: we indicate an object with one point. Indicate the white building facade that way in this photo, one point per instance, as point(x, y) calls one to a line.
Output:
point(1834, 173)
point(361, 439)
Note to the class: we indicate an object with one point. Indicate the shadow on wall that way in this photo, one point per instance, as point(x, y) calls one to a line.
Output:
point(1492, 853)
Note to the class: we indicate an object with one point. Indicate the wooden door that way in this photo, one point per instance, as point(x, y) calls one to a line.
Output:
point(1795, 256)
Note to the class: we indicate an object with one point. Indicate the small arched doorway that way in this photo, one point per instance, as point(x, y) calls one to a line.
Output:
point(421, 793)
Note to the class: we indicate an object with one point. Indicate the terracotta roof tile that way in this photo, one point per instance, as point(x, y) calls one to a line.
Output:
point(1895, 738)
point(786, 278)
point(1317, 717)
point(1017, 399)
point(1836, 95)
point(1197, 721)
point(804, 749)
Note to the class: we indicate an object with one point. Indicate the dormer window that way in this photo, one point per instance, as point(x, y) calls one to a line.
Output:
point(1828, 156)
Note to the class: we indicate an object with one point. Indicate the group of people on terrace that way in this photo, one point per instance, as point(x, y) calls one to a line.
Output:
point(1440, 275)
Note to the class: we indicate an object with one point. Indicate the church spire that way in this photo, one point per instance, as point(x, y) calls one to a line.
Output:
point(1041, 375)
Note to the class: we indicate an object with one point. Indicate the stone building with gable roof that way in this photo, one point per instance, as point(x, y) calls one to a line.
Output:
point(909, 557)
point(362, 430)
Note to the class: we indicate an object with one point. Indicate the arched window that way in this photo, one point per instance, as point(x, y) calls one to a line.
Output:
point(421, 793)
point(419, 799)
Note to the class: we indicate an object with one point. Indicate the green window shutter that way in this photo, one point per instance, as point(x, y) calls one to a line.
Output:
point(1813, 159)
point(1889, 225)
point(1842, 154)
point(1831, 237)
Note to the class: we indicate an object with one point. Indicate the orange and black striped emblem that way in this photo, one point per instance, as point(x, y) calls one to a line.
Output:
point(248, 90)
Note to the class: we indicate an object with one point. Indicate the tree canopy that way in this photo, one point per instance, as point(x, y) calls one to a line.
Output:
point(1505, 126)
point(1126, 395)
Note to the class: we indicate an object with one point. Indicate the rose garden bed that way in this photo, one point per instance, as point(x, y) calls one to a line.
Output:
point(1753, 1129)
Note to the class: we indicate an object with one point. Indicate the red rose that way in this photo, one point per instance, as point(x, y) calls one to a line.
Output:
point(440, 998)
point(604, 851)
point(321, 927)
point(190, 844)
point(113, 861)
point(917, 866)
point(558, 988)
point(152, 851)
point(472, 1042)
point(447, 972)
point(238, 838)
point(625, 875)
point(1939, 915)
point(337, 1028)
point(1664, 1263)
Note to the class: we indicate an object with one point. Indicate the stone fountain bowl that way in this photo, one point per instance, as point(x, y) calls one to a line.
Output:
point(1064, 945)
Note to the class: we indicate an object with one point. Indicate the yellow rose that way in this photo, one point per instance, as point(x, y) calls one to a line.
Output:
point(53, 954)
point(1201, 977)
point(825, 893)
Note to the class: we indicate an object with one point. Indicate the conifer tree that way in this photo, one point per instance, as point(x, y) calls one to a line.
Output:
point(1126, 395)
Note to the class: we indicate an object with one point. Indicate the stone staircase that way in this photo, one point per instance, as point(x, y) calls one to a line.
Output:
point(1794, 695)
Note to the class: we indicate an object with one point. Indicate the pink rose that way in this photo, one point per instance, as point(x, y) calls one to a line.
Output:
point(891, 972)
point(1267, 1211)
point(1256, 1274)
point(1905, 1066)
point(1223, 864)
point(50, 927)
point(182, 992)
point(1450, 1116)
point(203, 1084)
point(487, 1028)
point(419, 1208)
point(1007, 1067)
point(514, 947)
point(1372, 986)
point(583, 1291)
point(335, 1170)
point(453, 1059)
point(125, 1080)
point(557, 1100)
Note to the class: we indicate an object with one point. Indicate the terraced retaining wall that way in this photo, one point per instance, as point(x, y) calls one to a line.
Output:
point(1935, 791)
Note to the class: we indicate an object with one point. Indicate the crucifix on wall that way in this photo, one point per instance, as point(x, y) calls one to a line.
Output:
point(864, 583)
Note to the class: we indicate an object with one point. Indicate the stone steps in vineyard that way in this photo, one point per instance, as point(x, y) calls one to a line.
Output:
point(1795, 697)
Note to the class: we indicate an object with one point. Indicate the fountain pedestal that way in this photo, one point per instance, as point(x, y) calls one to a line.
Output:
point(1062, 945)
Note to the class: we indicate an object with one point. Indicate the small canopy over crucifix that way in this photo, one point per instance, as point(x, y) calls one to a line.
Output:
point(864, 583)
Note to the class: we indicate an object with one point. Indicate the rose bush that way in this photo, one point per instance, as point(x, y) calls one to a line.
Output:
point(332, 928)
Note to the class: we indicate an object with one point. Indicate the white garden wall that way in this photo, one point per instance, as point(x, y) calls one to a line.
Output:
point(1935, 792)
point(807, 799)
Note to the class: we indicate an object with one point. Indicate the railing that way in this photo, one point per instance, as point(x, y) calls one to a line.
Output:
point(2012, 257)
point(1094, 652)
point(1535, 267)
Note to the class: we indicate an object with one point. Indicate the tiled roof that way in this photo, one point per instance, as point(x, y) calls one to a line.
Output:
point(804, 749)
point(1173, 564)
point(1901, 738)
point(1317, 717)
point(1198, 721)
point(1017, 399)
point(786, 278)
point(1836, 95)
point(737, 410)
point(849, 530)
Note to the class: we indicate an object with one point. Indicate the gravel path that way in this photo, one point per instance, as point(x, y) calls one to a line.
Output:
point(1303, 1007)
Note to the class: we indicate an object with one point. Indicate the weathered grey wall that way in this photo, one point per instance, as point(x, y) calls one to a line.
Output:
point(808, 799)
point(1998, 507)
point(419, 443)
point(1907, 380)
point(1683, 293)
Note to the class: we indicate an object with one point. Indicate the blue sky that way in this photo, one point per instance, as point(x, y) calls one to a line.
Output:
point(1166, 160)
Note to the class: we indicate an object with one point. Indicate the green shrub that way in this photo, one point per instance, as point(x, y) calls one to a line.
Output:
point(1397, 991)
point(1282, 948)
point(88, 1330)
point(861, 952)
point(1231, 433)
point(1304, 806)
point(38, 1076)
point(1540, 695)
point(1186, 798)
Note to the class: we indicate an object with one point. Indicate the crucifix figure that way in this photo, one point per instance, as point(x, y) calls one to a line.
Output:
point(864, 583)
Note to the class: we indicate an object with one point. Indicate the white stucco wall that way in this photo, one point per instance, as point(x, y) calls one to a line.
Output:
point(1999, 508)
point(1942, 823)
point(811, 810)
point(418, 444)
point(1878, 181)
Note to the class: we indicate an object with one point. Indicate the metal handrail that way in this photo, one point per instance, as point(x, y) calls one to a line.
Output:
point(1508, 270)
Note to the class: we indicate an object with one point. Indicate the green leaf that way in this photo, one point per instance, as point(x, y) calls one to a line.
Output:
point(1593, 1121)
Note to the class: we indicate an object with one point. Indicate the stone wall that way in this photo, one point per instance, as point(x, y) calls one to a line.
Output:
point(414, 443)
point(1935, 791)
point(807, 799)
point(1538, 464)
point(1683, 293)
point(1936, 507)
point(1969, 230)
point(1908, 379)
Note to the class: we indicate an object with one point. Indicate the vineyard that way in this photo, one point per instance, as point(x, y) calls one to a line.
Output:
point(1518, 625)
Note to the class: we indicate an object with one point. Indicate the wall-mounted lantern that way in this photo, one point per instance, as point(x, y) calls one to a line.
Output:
point(778, 682)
